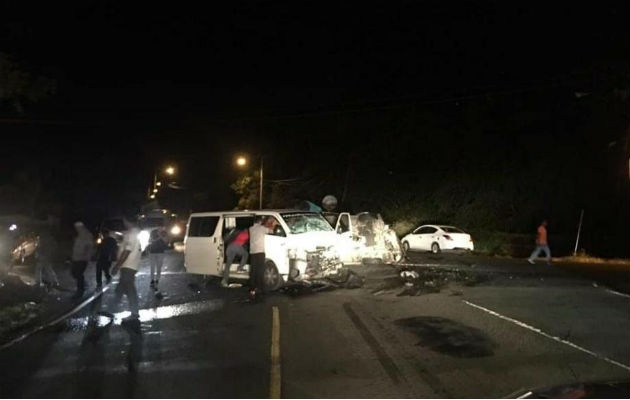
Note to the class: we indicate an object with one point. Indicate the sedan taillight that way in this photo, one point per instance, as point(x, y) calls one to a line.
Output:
point(447, 237)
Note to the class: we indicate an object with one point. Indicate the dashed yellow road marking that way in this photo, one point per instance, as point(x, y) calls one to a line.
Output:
point(276, 373)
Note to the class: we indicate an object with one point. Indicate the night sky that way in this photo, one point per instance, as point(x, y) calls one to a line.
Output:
point(141, 84)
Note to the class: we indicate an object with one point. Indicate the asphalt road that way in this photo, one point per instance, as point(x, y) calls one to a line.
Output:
point(499, 327)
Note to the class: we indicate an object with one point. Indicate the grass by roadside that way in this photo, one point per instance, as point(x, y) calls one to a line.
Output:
point(17, 316)
point(585, 259)
point(23, 304)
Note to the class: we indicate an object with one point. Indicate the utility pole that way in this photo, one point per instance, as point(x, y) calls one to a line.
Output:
point(577, 240)
point(261, 184)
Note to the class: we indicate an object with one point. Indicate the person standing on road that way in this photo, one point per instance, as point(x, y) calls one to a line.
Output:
point(81, 254)
point(128, 264)
point(541, 244)
point(44, 254)
point(257, 257)
point(234, 249)
point(157, 246)
point(106, 254)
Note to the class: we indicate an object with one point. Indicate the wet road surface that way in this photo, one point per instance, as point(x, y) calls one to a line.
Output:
point(490, 337)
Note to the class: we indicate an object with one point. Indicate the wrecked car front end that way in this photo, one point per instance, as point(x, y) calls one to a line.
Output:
point(365, 237)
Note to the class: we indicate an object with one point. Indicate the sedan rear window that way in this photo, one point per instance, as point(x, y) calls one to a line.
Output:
point(451, 229)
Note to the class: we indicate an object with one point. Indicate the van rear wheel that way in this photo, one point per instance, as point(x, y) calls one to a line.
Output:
point(272, 278)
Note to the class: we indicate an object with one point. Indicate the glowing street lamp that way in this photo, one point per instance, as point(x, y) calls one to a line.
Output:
point(152, 196)
point(241, 161)
point(158, 184)
point(170, 170)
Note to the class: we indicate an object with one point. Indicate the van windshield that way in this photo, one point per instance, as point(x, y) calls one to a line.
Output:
point(306, 222)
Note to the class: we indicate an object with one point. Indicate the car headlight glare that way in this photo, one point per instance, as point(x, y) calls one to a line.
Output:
point(176, 230)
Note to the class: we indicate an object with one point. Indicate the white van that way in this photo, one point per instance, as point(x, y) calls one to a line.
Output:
point(302, 246)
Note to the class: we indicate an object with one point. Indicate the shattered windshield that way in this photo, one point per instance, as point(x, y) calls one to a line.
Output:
point(306, 222)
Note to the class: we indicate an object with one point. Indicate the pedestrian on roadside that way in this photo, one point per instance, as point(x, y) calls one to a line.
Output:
point(541, 244)
point(157, 245)
point(236, 248)
point(82, 250)
point(128, 264)
point(44, 254)
point(257, 257)
point(105, 256)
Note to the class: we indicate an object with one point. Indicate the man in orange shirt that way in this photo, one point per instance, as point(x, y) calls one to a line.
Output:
point(541, 244)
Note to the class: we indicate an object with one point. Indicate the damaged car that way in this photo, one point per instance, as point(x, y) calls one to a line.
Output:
point(301, 247)
point(365, 237)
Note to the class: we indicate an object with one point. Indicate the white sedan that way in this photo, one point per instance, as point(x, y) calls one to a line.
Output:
point(435, 238)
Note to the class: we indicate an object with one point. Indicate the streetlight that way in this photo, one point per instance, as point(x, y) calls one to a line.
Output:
point(169, 170)
point(241, 161)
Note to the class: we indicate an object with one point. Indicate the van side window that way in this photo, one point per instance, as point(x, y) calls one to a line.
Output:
point(233, 224)
point(274, 226)
point(202, 226)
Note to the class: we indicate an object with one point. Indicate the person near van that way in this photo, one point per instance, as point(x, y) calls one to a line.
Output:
point(128, 264)
point(257, 257)
point(541, 244)
point(44, 255)
point(236, 248)
point(157, 246)
point(106, 254)
point(82, 249)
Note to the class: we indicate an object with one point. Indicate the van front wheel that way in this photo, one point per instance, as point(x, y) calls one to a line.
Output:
point(272, 278)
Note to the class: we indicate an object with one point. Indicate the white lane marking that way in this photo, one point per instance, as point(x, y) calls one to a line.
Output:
point(618, 293)
point(540, 332)
point(428, 265)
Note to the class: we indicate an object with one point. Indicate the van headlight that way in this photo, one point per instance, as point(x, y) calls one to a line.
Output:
point(176, 230)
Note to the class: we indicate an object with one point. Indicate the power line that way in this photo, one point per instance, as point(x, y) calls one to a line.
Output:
point(361, 109)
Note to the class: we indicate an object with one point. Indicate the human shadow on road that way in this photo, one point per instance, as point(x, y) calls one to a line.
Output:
point(92, 369)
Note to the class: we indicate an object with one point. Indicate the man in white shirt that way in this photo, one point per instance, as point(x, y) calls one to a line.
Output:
point(82, 249)
point(257, 257)
point(128, 264)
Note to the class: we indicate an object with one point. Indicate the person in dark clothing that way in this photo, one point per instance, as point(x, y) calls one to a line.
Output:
point(157, 245)
point(106, 254)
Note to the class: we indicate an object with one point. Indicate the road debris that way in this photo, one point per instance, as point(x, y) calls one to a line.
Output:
point(420, 281)
point(344, 279)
